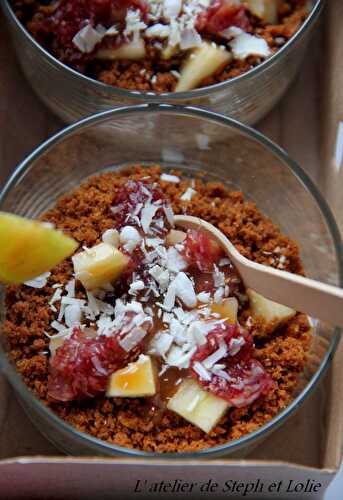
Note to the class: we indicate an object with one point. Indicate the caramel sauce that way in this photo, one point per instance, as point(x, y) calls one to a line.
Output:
point(167, 386)
point(167, 382)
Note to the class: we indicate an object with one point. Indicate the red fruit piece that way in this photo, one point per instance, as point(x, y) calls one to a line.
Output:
point(222, 15)
point(129, 200)
point(201, 251)
point(81, 366)
point(243, 379)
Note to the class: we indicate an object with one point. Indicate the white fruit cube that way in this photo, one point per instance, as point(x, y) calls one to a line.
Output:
point(271, 312)
point(201, 63)
point(169, 51)
point(133, 51)
point(199, 407)
point(227, 309)
point(99, 265)
point(267, 10)
point(137, 380)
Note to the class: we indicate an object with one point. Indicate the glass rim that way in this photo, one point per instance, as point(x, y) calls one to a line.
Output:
point(15, 379)
point(170, 96)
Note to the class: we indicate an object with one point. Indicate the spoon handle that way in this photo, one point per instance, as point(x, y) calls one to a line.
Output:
point(319, 300)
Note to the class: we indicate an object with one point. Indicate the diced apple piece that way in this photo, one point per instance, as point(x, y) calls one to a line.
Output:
point(228, 309)
point(201, 63)
point(99, 265)
point(133, 51)
point(137, 380)
point(30, 248)
point(198, 406)
point(174, 237)
point(271, 312)
point(267, 10)
point(169, 51)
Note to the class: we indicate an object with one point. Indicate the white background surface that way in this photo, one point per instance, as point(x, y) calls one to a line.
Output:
point(335, 491)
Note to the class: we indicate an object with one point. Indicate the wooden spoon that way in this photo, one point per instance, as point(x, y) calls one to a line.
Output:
point(319, 300)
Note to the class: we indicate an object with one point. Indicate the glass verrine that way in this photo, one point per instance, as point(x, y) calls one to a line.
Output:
point(192, 140)
point(247, 98)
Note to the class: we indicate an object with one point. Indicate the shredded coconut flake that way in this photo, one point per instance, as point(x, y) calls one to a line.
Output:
point(70, 288)
point(87, 39)
point(244, 45)
point(169, 298)
point(129, 238)
point(188, 194)
point(134, 24)
point(179, 358)
point(218, 295)
point(204, 297)
point(136, 286)
point(236, 345)
point(58, 326)
point(218, 277)
point(169, 214)
point(172, 8)
point(56, 296)
point(170, 178)
point(157, 30)
point(201, 371)
point(175, 262)
point(190, 39)
point(72, 315)
point(148, 212)
point(132, 339)
point(184, 289)
point(39, 282)
point(224, 262)
point(219, 354)
point(161, 343)
point(111, 237)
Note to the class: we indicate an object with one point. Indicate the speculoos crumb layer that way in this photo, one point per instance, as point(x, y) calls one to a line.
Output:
point(85, 214)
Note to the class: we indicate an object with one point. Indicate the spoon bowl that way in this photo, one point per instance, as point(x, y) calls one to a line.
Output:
point(319, 300)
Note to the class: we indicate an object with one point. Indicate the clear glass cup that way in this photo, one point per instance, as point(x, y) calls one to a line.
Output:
point(72, 96)
point(191, 140)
